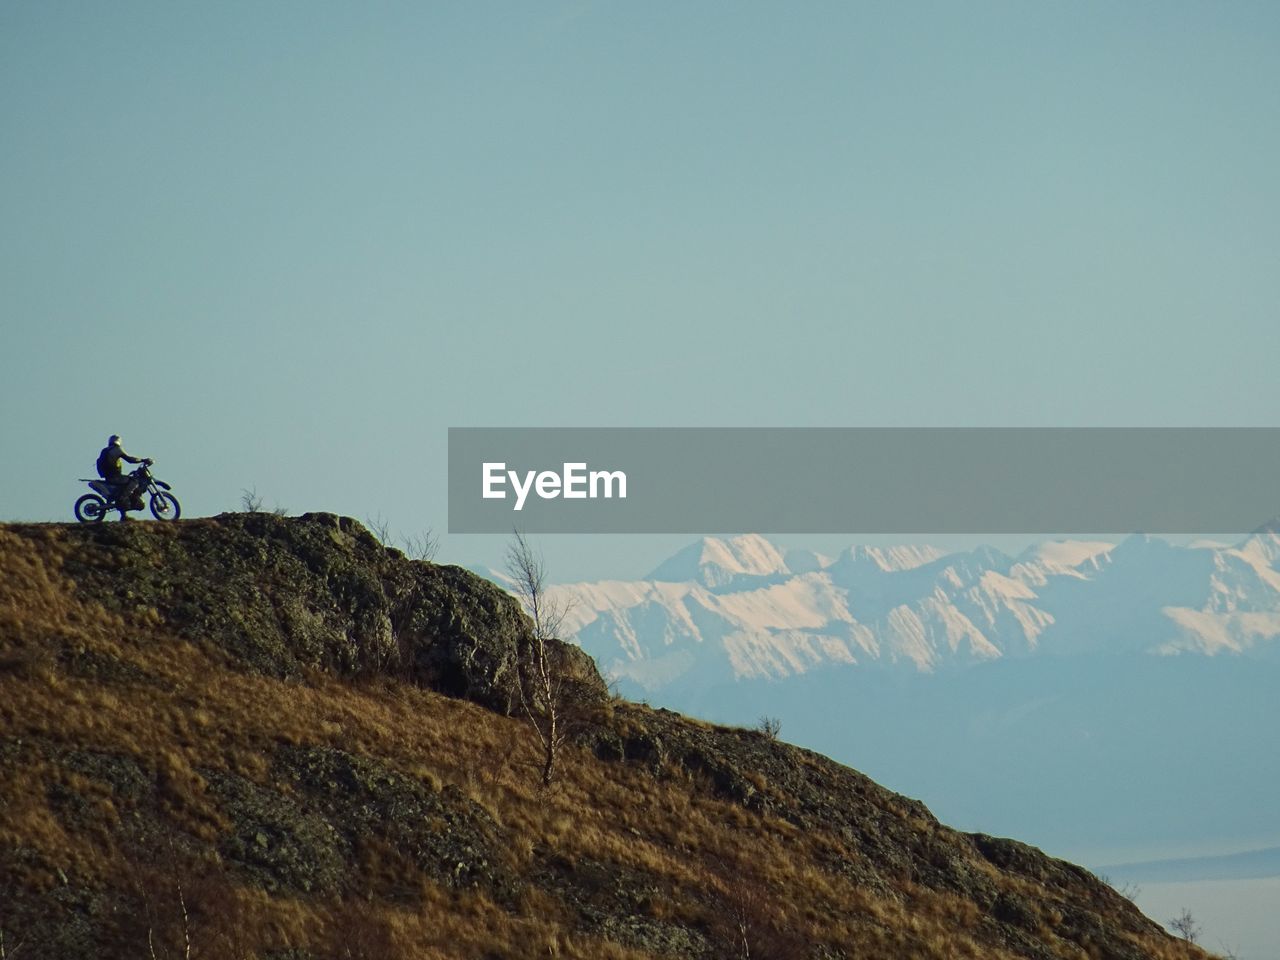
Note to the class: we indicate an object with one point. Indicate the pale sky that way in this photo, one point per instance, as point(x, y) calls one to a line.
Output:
point(287, 245)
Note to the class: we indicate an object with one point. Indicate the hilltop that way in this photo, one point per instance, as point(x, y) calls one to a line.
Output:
point(276, 738)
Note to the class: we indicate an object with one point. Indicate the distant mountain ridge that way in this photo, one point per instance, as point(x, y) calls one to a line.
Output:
point(741, 608)
point(717, 563)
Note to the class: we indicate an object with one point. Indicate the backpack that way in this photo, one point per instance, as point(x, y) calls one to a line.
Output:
point(108, 466)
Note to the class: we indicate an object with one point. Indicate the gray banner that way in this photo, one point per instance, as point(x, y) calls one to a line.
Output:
point(863, 480)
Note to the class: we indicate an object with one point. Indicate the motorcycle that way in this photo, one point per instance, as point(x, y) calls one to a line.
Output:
point(94, 507)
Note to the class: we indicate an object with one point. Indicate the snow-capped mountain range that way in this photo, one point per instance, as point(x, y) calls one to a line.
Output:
point(740, 608)
point(1086, 695)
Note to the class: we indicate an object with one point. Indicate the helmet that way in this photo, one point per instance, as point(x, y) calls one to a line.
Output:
point(113, 440)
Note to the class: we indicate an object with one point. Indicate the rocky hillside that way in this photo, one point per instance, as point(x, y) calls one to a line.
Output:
point(256, 737)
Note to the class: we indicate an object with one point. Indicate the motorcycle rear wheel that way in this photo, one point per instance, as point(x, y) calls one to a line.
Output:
point(91, 508)
point(165, 506)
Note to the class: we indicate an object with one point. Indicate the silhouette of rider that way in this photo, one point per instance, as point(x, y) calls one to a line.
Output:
point(123, 488)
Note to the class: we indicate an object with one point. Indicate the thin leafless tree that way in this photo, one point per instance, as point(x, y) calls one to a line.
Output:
point(378, 526)
point(183, 947)
point(1186, 926)
point(541, 681)
point(750, 923)
point(250, 500)
point(421, 546)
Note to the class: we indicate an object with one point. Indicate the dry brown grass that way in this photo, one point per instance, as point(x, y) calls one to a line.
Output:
point(178, 709)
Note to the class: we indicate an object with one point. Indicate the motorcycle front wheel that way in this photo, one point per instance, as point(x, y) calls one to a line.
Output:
point(164, 506)
point(91, 508)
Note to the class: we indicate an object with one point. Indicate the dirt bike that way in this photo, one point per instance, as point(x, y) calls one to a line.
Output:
point(94, 507)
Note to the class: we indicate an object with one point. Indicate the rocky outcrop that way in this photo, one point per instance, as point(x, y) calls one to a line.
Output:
point(279, 596)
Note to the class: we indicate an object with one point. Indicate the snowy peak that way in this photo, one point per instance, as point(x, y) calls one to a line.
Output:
point(1068, 554)
point(1263, 544)
point(1272, 527)
point(890, 559)
point(715, 562)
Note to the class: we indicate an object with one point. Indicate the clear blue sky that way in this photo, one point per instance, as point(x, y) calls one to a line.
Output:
point(287, 245)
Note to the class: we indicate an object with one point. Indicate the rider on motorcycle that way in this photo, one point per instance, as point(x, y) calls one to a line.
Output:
point(123, 488)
